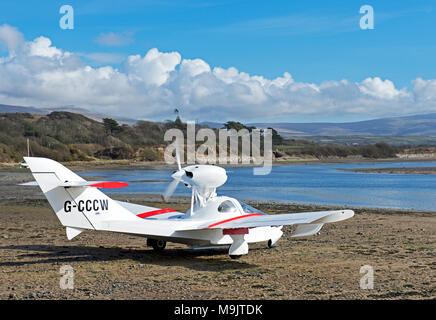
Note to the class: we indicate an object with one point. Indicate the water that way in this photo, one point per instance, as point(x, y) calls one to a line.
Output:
point(315, 184)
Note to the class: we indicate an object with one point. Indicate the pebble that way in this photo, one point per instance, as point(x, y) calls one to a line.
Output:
point(31, 295)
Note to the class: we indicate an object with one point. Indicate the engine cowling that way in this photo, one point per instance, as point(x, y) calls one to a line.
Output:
point(206, 176)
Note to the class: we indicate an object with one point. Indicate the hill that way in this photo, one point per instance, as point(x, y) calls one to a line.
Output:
point(66, 136)
point(416, 125)
point(4, 108)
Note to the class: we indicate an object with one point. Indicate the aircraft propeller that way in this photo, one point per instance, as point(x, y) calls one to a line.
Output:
point(177, 176)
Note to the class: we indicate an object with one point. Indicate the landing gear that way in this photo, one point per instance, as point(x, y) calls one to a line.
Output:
point(239, 246)
point(158, 245)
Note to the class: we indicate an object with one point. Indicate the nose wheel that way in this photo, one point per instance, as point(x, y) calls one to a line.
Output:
point(158, 245)
point(271, 244)
point(239, 246)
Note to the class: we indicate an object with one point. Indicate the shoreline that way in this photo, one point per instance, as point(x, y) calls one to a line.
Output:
point(413, 170)
point(117, 165)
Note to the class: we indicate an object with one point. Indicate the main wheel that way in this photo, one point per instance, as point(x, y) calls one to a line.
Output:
point(235, 256)
point(270, 244)
point(158, 245)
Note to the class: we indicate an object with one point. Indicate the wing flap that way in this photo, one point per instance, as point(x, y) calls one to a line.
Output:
point(304, 230)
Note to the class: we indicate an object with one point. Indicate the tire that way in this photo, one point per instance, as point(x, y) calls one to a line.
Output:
point(235, 256)
point(270, 244)
point(158, 245)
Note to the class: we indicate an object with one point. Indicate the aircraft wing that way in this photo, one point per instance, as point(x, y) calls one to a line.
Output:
point(264, 220)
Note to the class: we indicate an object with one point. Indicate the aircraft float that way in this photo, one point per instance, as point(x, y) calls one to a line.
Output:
point(211, 222)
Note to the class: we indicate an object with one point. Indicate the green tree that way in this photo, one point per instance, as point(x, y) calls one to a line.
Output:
point(276, 138)
point(111, 125)
point(234, 125)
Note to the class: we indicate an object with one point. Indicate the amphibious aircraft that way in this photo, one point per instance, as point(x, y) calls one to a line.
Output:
point(211, 221)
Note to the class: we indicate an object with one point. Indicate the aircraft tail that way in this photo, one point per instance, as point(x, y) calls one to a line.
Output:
point(78, 204)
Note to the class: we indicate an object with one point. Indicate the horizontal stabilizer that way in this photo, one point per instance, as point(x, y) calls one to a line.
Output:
point(77, 184)
point(28, 184)
point(96, 184)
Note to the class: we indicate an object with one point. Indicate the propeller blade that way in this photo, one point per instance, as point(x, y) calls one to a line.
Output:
point(170, 190)
point(177, 176)
point(178, 156)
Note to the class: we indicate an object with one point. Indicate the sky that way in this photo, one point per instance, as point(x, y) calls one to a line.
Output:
point(293, 61)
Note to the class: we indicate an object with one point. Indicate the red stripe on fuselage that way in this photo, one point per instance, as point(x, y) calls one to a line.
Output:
point(235, 218)
point(155, 212)
point(110, 184)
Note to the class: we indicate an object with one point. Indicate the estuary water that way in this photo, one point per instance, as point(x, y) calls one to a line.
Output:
point(330, 184)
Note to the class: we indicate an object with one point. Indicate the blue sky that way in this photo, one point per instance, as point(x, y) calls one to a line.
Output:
point(315, 41)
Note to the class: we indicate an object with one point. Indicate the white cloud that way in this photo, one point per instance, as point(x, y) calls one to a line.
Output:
point(381, 89)
point(425, 90)
point(42, 47)
point(10, 37)
point(154, 68)
point(152, 85)
point(194, 67)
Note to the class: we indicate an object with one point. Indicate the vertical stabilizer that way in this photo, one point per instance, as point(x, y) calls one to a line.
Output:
point(77, 207)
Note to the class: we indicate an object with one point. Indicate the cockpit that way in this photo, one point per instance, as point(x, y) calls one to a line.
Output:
point(228, 206)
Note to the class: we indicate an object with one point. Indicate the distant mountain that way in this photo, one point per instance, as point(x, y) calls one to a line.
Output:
point(44, 111)
point(213, 125)
point(416, 125)
point(13, 109)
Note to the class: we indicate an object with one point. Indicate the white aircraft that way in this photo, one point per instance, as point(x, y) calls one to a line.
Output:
point(212, 220)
